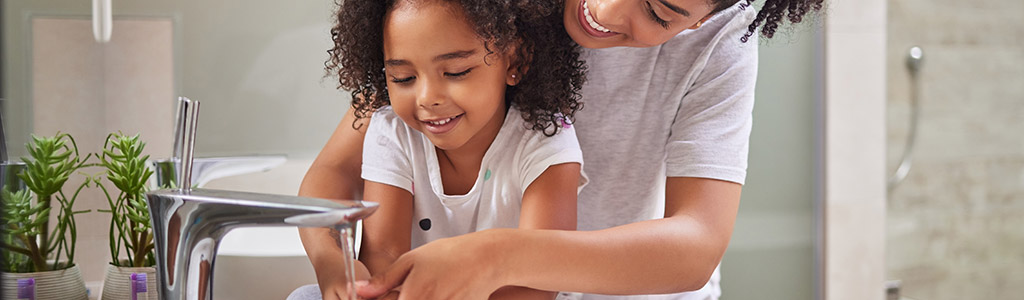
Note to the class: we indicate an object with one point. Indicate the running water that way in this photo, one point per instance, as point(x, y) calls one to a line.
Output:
point(346, 247)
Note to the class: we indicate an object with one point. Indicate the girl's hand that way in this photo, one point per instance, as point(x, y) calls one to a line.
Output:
point(462, 267)
point(332, 280)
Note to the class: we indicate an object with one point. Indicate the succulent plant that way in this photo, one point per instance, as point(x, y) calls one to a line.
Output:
point(26, 236)
point(130, 230)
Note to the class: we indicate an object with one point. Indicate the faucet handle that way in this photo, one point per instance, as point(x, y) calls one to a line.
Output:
point(184, 140)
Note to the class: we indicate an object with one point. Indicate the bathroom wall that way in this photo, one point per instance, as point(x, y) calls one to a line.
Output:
point(956, 224)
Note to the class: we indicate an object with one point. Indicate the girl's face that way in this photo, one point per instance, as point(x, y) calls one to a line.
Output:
point(631, 23)
point(438, 80)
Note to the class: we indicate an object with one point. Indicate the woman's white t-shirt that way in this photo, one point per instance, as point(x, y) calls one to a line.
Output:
point(682, 109)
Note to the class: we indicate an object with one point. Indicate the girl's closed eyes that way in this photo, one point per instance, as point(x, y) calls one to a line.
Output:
point(452, 75)
point(458, 74)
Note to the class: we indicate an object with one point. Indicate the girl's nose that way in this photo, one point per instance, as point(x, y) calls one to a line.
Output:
point(429, 94)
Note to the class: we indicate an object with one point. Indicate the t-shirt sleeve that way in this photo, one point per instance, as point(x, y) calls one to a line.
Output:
point(538, 152)
point(386, 150)
point(711, 133)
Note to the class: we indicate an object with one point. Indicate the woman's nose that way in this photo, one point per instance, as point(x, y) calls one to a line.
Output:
point(611, 14)
point(627, 17)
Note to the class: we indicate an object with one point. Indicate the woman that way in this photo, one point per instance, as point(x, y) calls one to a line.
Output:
point(664, 136)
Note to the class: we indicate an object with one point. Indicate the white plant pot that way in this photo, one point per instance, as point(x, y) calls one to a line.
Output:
point(66, 284)
point(117, 283)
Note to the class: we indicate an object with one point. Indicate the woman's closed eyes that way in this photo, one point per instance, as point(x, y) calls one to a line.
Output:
point(654, 16)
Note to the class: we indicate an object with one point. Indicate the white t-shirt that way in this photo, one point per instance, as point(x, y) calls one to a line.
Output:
point(397, 155)
point(682, 109)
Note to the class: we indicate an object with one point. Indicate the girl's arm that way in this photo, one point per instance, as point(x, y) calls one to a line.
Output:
point(674, 254)
point(386, 233)
point(333, 175)
point(548, 203)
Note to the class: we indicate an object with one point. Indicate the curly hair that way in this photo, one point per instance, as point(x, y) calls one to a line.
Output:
point(550, 76)
point(772, 14)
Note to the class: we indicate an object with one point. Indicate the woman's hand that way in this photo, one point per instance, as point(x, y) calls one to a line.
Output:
point(462, 267)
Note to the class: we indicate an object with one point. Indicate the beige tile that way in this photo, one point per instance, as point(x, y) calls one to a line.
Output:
point(89, 90)
point(139, 82)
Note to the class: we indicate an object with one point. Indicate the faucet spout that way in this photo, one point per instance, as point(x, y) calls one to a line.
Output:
point(188, 223)
point(188, 226)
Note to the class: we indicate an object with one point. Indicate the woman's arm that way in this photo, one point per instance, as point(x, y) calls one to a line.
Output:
point(674, 254)
point(548, 203)
point(387, 233)
point(333, 175)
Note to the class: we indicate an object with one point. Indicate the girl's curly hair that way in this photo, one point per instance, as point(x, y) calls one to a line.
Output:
point(772, 14)
point(550, 70)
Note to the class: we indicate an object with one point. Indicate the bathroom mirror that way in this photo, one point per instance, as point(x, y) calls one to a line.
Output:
point(257, 66)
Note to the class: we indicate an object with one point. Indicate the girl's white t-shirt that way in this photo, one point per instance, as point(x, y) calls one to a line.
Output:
point(397, 155)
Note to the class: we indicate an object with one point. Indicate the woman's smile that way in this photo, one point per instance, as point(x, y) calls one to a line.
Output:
point(590, 24)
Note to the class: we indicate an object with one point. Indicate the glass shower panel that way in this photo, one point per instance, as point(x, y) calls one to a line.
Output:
point(956, 222)
point(772, 252)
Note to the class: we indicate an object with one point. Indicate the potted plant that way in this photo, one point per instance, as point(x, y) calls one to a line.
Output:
point(130, 231)
point(37, 261)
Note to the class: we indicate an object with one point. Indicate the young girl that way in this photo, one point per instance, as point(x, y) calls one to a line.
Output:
point(471, 105)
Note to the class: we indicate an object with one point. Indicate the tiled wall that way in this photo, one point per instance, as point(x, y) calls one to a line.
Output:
point(956, 224)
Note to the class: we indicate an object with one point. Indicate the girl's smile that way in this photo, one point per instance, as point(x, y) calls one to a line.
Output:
point(441, 125)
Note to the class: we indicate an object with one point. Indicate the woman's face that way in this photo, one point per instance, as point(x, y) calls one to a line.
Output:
point(631, 23)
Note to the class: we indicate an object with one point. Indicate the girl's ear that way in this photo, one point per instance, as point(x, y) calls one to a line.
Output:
point(512, 78)
point(517, 67)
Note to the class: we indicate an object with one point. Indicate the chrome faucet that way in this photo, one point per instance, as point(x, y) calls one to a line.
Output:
point(188, 224)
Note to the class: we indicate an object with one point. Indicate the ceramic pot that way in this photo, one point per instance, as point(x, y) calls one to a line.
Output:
point(66, 284)
point(117, 283)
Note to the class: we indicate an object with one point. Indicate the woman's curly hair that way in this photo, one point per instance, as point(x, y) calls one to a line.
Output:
point(772, 14)
point(549, 67)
